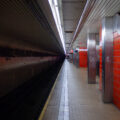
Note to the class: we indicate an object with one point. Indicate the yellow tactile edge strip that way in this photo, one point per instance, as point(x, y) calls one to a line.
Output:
point(48, 99)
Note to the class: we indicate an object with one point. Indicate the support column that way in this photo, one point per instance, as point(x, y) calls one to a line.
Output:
point(107, 59)
point(116, 61)
point(91, 45)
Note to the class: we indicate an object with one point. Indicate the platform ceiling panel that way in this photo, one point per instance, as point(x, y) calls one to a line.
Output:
point(72, 10)
point(101, 9)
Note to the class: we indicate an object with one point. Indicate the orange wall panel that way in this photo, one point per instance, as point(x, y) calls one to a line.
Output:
point(83, 58)
point(116, 69)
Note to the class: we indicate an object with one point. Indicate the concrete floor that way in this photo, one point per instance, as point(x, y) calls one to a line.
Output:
point(74, 99)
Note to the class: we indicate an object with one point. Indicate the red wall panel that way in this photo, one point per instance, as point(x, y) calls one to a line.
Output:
point(116, 69)
point(83, 57)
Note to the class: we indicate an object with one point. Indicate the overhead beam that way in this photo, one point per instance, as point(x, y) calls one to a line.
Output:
point(88, 7)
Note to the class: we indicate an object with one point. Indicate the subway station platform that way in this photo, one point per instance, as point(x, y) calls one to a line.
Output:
point(74, 99)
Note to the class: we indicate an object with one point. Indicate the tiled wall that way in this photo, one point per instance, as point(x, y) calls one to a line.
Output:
point(116, 69)
point(83, 58)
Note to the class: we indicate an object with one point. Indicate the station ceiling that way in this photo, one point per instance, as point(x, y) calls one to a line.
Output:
point(101, 9)
point(72, 10)
point(29, 24)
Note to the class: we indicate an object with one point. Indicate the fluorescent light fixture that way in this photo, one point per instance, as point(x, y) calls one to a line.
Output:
point(56, 15)
point(55, 2)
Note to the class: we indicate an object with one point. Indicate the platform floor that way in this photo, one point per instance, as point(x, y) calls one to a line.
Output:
point(74, 99)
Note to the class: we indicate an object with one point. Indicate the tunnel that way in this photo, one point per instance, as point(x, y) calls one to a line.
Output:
point(60, 59)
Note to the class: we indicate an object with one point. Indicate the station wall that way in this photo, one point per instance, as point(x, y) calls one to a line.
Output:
point(83, 57)
point(116, 69)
